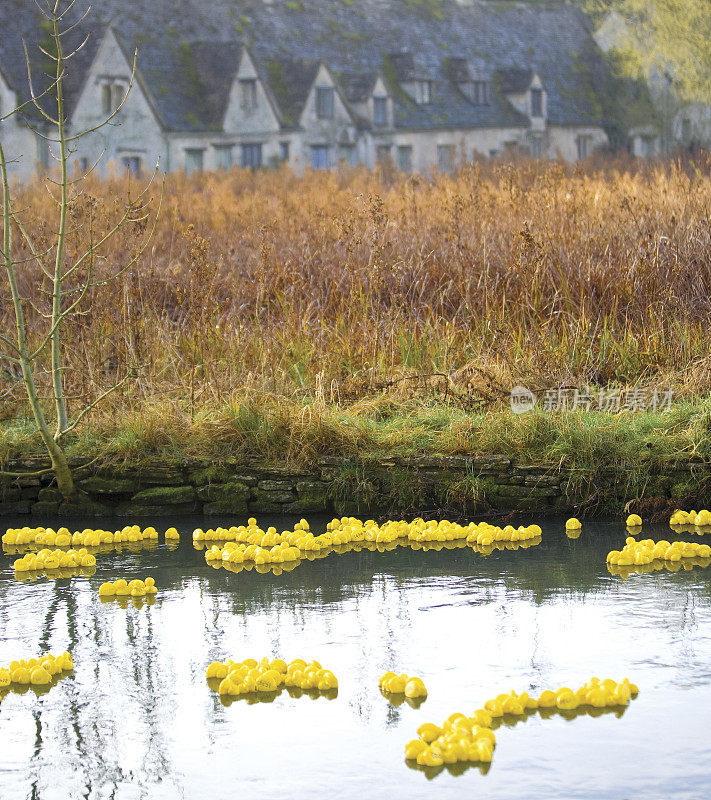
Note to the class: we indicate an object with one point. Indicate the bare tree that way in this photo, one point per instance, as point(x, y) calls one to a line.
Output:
point(71, 276)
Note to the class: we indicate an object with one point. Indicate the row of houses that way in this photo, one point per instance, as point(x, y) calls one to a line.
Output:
point(418, 92)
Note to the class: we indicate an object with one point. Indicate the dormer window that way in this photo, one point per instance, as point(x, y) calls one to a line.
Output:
point(248, 94)
point(480, 93)
point(325, 105)
point(380, 111)
point(536, 102)
point(423, 92)
point(476, 91)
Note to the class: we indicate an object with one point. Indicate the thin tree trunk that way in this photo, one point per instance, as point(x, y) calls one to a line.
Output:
point(60, 403)
point(65, 482)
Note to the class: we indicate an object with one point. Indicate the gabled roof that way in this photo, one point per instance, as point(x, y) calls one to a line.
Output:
point(189, 82)
point(514, 80)
point(357, 86)
point(188, 53)
point(404, 67)
point(290, 81)
point(456, 69)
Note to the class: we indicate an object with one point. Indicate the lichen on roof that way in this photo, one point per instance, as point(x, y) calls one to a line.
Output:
point(197, 62)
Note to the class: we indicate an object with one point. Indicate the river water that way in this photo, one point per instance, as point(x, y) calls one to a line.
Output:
point(138, 720)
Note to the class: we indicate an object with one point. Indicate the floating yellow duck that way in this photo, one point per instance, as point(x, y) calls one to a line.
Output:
point(573, 524)
point(36, 671)
point(646, 551)
point(410, 686)
point(272, 551)
point(462, 738)
point(121, 588)
point(702, 519)
point(634, 521)
point(88, 537)
point(236, 678)
point(54, 564)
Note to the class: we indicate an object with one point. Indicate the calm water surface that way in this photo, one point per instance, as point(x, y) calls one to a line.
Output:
point(137, 720)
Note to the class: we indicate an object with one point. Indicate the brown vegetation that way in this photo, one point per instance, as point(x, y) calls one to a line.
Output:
point(335, 287)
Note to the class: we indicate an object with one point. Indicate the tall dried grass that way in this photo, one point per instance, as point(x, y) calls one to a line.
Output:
point(333, 288)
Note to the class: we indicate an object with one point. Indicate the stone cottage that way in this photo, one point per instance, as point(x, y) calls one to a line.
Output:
point(418, 84)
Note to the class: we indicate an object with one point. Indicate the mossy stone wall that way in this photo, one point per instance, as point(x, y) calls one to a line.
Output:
point(347, 486)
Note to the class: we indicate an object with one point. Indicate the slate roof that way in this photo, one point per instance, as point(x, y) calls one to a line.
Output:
point(357, 86)
point(514, 80)
point(290, 81)
point(189, 52)
point(188, 82)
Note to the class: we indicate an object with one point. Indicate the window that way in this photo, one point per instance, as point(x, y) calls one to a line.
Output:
point(84, 164)
point(404, 158)
point(112, 95)
point(583, 143)
point(132, 164)
point(283, 151)
point(480, 93)
point(445, 157)
point(319, 156)
point(348, 153)
point(324, 102)
point(194, 158)
point(118, 94)
point(382, 154)
point(106, 99)
point(423, 92)
point(537, 147)
point(536, 102)
point(380, 111)
point(251, 156)
point(223, 156)
point(248, 94)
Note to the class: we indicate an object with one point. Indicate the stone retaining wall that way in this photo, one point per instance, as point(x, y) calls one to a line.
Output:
point(339, 486)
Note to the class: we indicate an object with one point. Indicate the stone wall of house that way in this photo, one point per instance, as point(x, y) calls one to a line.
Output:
point(230, 490)
point(562, 141)
point(133, 133)
point(20, 145)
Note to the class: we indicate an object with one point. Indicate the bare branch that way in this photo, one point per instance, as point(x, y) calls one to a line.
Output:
point(96, 402)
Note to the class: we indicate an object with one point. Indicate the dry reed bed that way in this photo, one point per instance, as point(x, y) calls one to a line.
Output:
point(337, 287)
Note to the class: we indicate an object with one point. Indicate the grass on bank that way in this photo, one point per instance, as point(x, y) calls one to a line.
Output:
point(279, 432)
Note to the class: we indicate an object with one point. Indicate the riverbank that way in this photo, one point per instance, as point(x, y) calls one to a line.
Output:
point(383, 457)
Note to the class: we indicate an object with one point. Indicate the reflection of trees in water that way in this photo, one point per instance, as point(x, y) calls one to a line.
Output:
point(100, 711)
point(91, 723)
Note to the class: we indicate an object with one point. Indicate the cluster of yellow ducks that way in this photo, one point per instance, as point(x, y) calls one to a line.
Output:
point(462, 738)
point(35, 671)
point(122, 588)
point(48, 560)
point(701, 519)
point(251, 544)
point(645, 551)
point(236, 678)
point(410, 686)
point(63, 537)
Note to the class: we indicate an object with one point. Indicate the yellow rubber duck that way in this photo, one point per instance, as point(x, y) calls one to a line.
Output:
point(415, 688)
